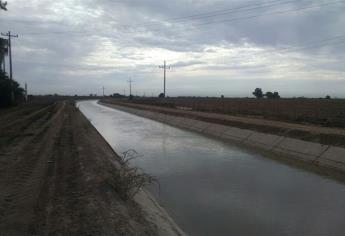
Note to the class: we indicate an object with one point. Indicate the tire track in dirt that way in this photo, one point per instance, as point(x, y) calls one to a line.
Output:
point(24, 139)
point(58, 210)
point(23, 178)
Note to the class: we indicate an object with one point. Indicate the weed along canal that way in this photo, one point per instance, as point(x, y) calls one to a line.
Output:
point(213, 188)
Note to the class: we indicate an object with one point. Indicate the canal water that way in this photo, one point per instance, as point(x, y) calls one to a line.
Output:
point(213, 188)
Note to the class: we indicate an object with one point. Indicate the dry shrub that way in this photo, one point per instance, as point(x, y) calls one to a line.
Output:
point(127, 180)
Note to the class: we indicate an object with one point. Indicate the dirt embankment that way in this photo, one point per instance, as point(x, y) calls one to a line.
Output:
point(54, 177)
point(306, 132)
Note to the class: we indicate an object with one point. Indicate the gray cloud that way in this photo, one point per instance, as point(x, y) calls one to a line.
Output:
point(80, 45)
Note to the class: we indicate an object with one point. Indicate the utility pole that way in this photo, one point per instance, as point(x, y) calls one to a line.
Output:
point(26, 92)
point(9, 35)
point(124, 92)
point(103, 90)
point(165, 67)
point(130, 81)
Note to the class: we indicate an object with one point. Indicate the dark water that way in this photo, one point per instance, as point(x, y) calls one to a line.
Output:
point(213, 188)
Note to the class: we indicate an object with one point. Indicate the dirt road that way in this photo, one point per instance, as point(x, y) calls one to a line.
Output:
point(54, 177)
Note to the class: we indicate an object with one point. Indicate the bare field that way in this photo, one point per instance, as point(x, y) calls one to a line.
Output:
point(55, 176)
point(323, 112)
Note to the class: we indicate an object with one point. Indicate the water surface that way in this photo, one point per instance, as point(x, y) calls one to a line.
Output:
point(213, 188)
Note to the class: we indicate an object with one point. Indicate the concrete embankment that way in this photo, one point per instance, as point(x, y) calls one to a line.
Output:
point(327, 157)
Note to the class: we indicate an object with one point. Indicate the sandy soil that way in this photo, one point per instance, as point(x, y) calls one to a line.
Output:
point(54, 178)
point(313, 133)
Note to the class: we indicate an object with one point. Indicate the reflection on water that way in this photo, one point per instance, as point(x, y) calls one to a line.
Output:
point(212, 188)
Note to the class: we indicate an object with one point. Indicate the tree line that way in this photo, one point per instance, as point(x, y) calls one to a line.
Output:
point(258, 93)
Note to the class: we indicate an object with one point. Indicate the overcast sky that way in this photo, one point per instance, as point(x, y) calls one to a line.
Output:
point(214, 47)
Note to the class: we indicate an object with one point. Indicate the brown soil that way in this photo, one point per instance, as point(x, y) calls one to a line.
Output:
point(307, 132)
point(54, 176)
point(324, 112)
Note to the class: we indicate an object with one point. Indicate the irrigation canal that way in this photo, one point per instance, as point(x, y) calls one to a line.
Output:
point(214, 188)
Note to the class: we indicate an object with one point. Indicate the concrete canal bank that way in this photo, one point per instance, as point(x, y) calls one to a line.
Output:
point(329, 158)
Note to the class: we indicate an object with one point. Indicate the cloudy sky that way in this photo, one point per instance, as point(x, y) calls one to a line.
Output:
point(214, 47)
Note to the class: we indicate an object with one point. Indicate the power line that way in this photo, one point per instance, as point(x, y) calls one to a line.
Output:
point(206, 23)
point(217, 12)
point(272, 13)
point(245, 17)
point(189, 17)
